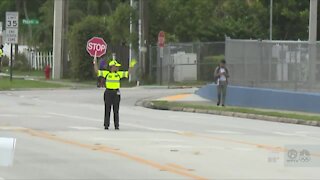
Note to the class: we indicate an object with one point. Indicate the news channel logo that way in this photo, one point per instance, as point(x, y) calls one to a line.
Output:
point(302, 156)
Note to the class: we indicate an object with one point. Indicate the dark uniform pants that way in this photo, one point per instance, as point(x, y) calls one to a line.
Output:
point(111, 98)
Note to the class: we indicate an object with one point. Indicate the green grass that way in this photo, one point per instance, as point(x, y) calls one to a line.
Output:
point(274, 113)
point(93, 83)
point(34, 73)
point(5, 84)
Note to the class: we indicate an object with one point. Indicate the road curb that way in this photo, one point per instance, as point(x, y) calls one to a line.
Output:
point(151, 105)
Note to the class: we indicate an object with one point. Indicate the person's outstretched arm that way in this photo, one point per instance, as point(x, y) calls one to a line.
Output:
point(95, 65)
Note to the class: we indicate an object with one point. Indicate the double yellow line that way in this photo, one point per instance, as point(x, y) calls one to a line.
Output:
point(172, 168)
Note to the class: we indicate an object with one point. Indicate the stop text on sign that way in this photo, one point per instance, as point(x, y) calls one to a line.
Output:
point(96, 46)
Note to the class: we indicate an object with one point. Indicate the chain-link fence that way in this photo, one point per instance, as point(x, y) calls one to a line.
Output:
point(185, 63)
point(291, 65)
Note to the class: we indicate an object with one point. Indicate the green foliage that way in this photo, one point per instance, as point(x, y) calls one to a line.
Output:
point(212, 20)
point(21, 62)
point(5, 61)
point(118, 23)
point(44, 32)
point(81, 62)
point(291, 19)
point(208, 65)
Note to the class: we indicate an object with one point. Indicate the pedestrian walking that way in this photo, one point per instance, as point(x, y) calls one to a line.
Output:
point(1, 56)
point(221, 75)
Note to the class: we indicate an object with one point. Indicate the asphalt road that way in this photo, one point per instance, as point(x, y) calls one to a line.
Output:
point(60, 135)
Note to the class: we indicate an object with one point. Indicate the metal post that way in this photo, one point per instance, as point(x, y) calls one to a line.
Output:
point(151, 62)
point(271, 13)
point(57, 38)
point(140, 33)
point(161, 59)
point(130, 45)
point(11, 56)
point(312, 41)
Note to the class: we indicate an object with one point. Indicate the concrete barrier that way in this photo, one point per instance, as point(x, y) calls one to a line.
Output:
point(265, 98)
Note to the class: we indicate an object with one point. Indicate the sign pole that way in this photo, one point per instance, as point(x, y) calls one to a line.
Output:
point(11, 52)
point(161, 58)
point(12, 28)
point(161, 40)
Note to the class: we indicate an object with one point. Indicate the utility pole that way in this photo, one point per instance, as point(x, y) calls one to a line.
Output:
point(312, 41)
point(271, 18)
point(140, 35)
point(143, 34)
point(131, 54)
point(65, 45)
point(57, 38)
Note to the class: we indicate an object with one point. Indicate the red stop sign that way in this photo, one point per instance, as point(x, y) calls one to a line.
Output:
point(161, 39)
point(97, 45)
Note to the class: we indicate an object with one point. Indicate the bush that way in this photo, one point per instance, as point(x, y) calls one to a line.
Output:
point(208, 66)
point(5, 61)
point(21, 63)
point(81, 62)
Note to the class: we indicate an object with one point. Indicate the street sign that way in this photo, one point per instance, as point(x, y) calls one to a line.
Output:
point(12, 25)
point(30, 21)
point(97, 45)
point(161, 39)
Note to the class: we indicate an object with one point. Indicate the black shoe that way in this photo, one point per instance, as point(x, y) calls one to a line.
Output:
point(106, 128)
point(223, 105)
point(117, 128)
point(218, 104)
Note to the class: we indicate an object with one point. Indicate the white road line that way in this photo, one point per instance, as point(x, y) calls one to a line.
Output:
point(243, 149)
point(137, 139)
point(152, 129)
point(223, 132)
point(84, 128)
point(23, 115)
point(9, 115)
point(125, 124)
point(11, 128)
point(75, 117)
point(173, 146)
point(307, 132)
point(285, 134)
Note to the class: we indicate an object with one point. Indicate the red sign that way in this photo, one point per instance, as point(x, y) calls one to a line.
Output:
point(97, 45)
point(161, 39)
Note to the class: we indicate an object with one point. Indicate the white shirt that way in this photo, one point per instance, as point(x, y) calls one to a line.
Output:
point(222, 77)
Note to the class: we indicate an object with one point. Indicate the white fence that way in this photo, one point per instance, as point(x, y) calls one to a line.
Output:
point(38, 60)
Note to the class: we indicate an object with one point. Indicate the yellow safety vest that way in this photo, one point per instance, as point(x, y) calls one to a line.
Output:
point(1, 53)
point(113, 78)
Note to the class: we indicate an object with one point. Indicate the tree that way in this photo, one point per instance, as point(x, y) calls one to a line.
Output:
point(119, 24)
point(81, 32)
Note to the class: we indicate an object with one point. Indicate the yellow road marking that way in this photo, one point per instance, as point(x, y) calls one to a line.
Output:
point(117, 152)
point(176, 97)
point(186, 134)
point(257, 145)
point(178, 167)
